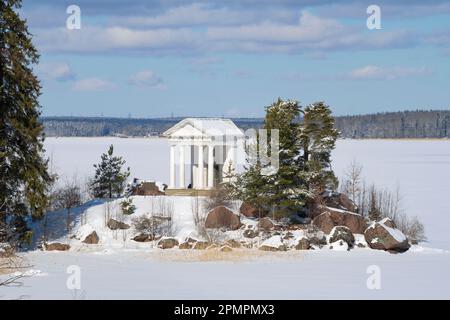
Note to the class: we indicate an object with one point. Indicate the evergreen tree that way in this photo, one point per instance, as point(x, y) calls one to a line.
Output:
point(109, 180)
point(317, 137)
point(304, 151)
point(23, 170)
point(374, 211)
point(287, 184)
point(249, 186)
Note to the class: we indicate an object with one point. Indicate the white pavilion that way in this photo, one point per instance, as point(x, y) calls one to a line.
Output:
point(207, 148)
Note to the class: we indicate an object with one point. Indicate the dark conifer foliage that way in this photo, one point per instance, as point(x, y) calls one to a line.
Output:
point(110, 179)
point(24, 179)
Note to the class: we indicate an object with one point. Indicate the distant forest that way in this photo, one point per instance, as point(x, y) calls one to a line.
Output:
point(129, 127)
point(405, 124)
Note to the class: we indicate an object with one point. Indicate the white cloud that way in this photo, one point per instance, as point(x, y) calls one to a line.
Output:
point(310, 34)
point(372, 72)
point(117, 40)
point(92, 84)
point(57, 71)
point(309, 28)
point(189, 15)
point(147, 79)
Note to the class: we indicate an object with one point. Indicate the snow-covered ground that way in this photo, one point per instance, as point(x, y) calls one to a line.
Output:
point(118, 269)
point(288, 275)
point(420, 168)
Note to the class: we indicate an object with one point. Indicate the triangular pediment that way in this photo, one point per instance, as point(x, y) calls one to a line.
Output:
point(186, 130)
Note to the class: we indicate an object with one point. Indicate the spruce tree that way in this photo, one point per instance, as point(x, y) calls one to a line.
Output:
point(306, 139)
point(109, 180)
point(24, 176)
point(288, 182)
point(317, 137)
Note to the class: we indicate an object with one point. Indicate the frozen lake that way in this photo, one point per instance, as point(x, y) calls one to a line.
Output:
point(420, 168)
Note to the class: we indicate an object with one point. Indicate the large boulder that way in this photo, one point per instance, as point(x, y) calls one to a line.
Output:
point(342, 233)
point(324, 222)
point(167, 243)
point(388, 223)
point(265, 224)
point(117, 225)
point(91, 238)
point(250, 211)
point(332, 217)
point(340, 201)
point(302, 244)
point(56, 246)
point(143, 237)
point(146, 188)
point(222, 217)
point(382, 237)
point(354, 222)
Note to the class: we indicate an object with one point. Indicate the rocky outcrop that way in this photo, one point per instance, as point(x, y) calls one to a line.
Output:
point(332, 217)
point(167, 243)
point(91, 238)
point(302, 244)
point(340, 201)
point(388, 223)
point(56, 246)
point(382, 237)
point(146, 188)
point(250, 211)
point(342, 233)
point(265, 224)
point(144, 238)
point(324, 222)
point(222, 217)
point(117, 225)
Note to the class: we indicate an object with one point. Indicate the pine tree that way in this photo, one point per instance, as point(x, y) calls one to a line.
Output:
point(109, 180)
point(317, 137)
point(23, 170)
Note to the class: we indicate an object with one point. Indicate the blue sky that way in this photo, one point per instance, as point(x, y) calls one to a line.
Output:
point(232, 58)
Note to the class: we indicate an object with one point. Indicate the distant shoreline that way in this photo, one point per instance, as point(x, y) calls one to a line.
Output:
point(419, 124)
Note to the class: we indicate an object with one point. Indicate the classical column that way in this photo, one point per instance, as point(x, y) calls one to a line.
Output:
point(172, 167)
point(192, 149)
point(200, 167)
point(182, 164)
point(232, 156)
point(210, 166)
